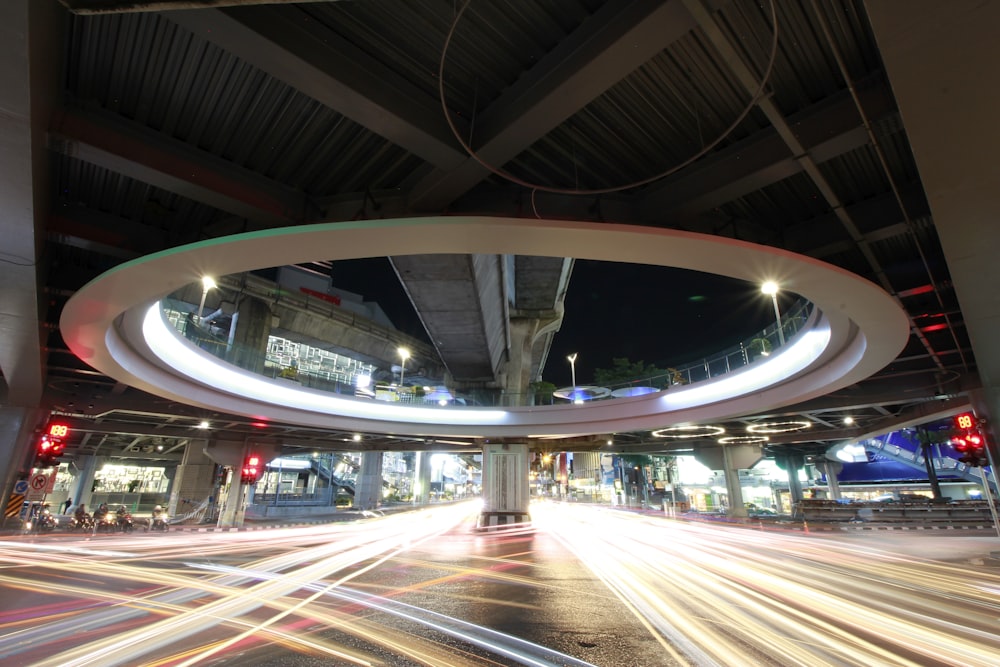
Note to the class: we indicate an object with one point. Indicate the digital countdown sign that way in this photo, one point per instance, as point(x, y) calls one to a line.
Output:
point(966, 421)
point(58, 431)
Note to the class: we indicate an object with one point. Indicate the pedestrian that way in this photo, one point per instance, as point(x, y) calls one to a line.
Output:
point(66, 505)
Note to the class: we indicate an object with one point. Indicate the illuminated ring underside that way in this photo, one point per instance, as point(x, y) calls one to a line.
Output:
point(778, 427)
point(742, 440)
point(856, 328)
point(689, 431)
point(585, 393)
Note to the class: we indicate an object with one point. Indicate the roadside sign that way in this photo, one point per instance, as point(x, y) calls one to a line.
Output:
point(14, 505)
point(21, 487)
point(37, 486)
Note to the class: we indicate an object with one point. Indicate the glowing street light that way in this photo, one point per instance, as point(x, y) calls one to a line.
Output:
point(572, 368)
point(771, 288)
point(404, 354)
point(206, 284)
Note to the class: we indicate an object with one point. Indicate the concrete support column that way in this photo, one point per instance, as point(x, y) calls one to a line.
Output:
point(731, 459)
point(422, 478)
point(231, 514)
point(368, 490)
point(83, 481)
point(194, 479)
point(792, 463)
point(253, 326)
point(505, 486)
point(831, 469)
point(519, 361)
point(587, 469)
point(734, 489)
point(18, 427)
point(229, 495)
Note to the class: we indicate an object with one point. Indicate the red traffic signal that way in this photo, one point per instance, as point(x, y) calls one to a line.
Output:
point(48, 452)
point(972, 447)
point(251, 469)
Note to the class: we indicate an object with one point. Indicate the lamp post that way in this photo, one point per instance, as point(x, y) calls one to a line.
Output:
point(404, 354)
point(572, 368)
point(771, 288)
point(206, 284)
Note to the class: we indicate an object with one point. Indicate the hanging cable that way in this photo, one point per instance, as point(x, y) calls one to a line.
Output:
point(618, 188)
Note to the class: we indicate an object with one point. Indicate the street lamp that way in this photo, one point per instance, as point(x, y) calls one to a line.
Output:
point(572, 368)
point(404, 354)
point(771, 288)
point(206, 284)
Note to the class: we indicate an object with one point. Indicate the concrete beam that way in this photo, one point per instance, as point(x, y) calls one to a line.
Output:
point(131, 6)
point(333, 72)
point(610, 45)
point(462, 305)
point(827, 129)
point(941, 58)
point(143, 154)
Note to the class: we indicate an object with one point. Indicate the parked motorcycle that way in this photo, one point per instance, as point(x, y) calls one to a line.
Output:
point(42, 521)
point(160, 520)
point(124, 522)
point(104, 521)
point(82, 523)
point(160, 523)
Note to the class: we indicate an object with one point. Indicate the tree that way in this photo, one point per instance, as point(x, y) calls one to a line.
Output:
point(624, 373)
point(542, 392)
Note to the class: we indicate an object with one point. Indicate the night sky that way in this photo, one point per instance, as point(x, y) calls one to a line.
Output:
point(659, 315)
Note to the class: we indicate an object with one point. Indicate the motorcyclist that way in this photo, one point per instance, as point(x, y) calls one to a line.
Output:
point(101, 512)
point(159, 521)
point(80, 518)
point(44, 520)
point(124, 519)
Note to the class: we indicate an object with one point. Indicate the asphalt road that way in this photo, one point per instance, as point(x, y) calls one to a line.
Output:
point(584, 586)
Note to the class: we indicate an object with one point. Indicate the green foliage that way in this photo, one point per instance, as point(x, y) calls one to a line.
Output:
point(624, 372)
point(542, 389)
point(759, 346)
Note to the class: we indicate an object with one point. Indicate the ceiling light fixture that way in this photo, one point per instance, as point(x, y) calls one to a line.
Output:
point(689, 431)
point(778, 427)
point(742, 439)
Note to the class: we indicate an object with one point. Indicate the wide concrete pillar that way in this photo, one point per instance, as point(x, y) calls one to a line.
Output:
point(941, 58)
point(422, 478)
point(518, 372)
point(18, 430)
point(731, 459)
point(232, 454)
point(524, 331)
point(253, 327)
point(587, 469)
point(368, 488)
point(194, 479)
point(505, 486)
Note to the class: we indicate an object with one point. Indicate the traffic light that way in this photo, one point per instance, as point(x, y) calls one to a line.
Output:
point(51, 446)
point(251, 469)
point(972, 445)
